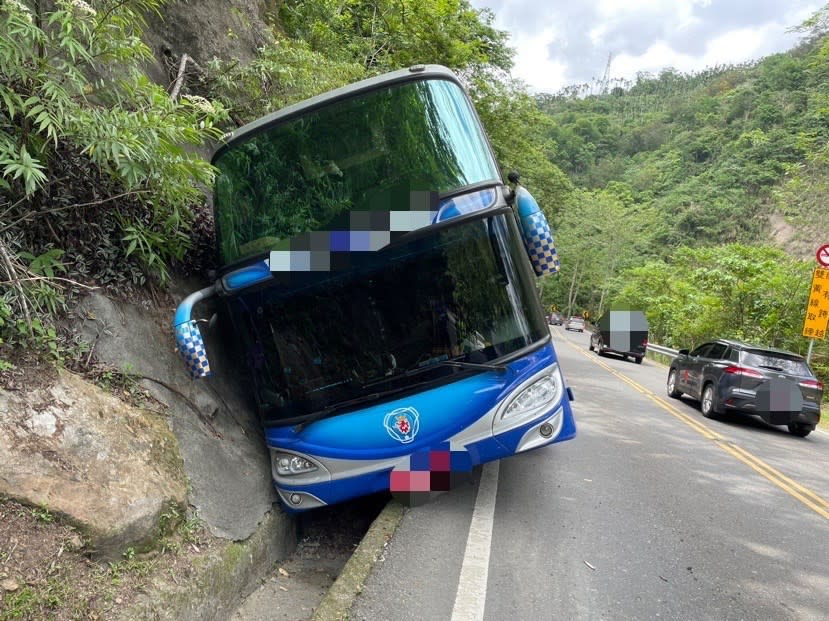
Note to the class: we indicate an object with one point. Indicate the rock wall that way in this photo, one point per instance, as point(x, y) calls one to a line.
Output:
point(204, 29)
point(77, 450)
point(219, 436)
point(111, 468)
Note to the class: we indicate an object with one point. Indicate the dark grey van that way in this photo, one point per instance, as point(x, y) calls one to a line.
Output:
point(622, 332)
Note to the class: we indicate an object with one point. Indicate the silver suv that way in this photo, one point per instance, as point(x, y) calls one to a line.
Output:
point(576, 324)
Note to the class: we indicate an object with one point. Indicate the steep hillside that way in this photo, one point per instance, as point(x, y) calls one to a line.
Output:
point(716, 154)
point(700, 198)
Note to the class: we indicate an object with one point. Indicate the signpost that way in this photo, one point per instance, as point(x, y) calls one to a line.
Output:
point(817, 309)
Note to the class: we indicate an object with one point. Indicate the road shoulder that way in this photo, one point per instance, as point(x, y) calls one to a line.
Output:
point(340, 597)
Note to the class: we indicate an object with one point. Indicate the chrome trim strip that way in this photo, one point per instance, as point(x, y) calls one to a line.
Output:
point(309, 501)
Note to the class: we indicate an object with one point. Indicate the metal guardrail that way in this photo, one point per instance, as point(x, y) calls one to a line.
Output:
point(665, 351)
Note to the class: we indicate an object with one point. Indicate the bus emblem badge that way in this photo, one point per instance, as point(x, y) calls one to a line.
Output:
point(402, 424)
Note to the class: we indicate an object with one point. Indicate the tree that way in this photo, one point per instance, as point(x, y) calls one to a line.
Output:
point(517, 131)
point(382, 35)
point(600, 233)
point(91, 153)
point(284, 73)
point(754, 293)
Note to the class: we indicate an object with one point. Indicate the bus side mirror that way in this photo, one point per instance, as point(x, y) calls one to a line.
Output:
point(189, 342)
point(538, 237)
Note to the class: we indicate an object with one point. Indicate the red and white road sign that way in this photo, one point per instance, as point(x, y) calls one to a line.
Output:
point(822, 255)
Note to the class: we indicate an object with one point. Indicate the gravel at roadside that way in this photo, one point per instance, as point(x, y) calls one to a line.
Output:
point(335, 549)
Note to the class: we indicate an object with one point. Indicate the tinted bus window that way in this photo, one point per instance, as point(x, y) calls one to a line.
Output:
point(364, 153)
point(461, 294)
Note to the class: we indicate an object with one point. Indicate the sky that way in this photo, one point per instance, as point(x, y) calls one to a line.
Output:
point(565, 42)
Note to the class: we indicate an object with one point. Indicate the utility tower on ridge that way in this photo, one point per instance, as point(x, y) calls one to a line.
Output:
point(606, 76)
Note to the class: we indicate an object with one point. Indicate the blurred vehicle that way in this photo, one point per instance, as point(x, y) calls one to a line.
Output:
point(730, 376)
point(555, 319)
point(576, 324)
point(622, 332)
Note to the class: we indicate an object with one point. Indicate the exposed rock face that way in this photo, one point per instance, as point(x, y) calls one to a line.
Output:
point(110, 468)
point(798, 239)
point(221, 441)
point(204, 29)
point(77, 450)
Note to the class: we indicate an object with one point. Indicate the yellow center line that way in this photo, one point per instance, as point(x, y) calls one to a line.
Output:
point(746, 456)
point(806, 496)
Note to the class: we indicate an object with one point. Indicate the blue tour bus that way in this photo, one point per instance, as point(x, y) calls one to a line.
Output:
point(379, 276)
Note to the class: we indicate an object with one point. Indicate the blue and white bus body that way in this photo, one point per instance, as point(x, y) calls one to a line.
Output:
point(355, 454)
point(465, 253)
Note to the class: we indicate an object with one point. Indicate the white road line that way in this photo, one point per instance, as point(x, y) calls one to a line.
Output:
point(470, 598)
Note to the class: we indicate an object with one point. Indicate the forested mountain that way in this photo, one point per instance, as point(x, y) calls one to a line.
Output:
point(713, 152)
point(699, 198)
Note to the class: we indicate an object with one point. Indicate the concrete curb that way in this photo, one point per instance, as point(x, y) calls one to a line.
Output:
point(337, 603)
point(222, 578)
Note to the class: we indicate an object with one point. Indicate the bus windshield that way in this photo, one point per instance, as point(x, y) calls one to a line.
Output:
point(431, 310)
point(367, 152)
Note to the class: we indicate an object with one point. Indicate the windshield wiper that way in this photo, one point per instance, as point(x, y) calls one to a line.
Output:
point(472, 365)
point(328, 410)
point(435, 363)
point(377, 395)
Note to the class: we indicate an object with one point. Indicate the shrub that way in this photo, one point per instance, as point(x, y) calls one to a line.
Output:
point(99, 166)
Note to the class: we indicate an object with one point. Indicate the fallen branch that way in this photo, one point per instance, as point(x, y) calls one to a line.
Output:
point(52, 210)
point(11, 207)
point(180, 77)
point(14, 280)
point(74, 283)
point(205, 421)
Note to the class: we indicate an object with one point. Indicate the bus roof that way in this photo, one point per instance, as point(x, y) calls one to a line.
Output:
point(415, 72)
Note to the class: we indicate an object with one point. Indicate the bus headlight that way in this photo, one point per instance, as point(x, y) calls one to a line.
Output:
point(536, 396)
point(288, 464)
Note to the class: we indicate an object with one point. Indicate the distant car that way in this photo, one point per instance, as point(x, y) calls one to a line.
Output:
point(555, 319)
point(576, 324)
point(622, 332)
point(731, 376)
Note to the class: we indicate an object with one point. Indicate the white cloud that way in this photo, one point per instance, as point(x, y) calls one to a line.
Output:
point(734, 47)
point(563, 42)
point(738, 45)
point(534, 66)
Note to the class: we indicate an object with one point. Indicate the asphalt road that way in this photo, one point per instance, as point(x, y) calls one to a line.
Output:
point(651, 512)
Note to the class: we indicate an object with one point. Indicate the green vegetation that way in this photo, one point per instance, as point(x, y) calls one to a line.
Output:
point(383, 35)
point(747, 292)
point(30, 602)
point(97, 170)
point(48, 574)
point(42, 514)
point(673, 192)
point(700, 198)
